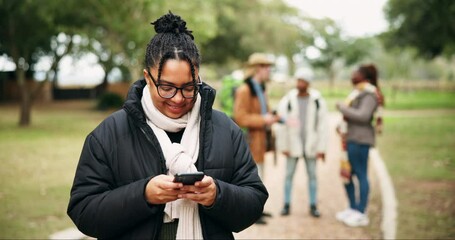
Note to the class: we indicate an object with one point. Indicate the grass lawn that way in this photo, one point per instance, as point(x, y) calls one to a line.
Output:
point(418, 148)
point(38, 165)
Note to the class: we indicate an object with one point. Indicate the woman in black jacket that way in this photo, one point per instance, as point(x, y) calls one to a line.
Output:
point(124, 188)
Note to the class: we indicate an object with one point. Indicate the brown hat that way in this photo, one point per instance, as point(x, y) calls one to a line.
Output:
point(258, 59)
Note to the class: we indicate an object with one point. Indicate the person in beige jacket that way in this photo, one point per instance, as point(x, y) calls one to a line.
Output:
point(302, 133)
point(251, 110)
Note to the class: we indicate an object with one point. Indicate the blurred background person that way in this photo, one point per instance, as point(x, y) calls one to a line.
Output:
point(302, 133)
point(358, 113)
point(251, 109)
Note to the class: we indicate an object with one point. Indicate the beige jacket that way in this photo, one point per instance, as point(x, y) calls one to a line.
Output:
point(288, 134)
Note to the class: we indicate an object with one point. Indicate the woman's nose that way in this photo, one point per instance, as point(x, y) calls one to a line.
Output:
point(178, 97)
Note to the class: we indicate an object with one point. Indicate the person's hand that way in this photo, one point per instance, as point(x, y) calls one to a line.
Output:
point(271, 119)
point(337, 129)
point(320, 156)
point(293, 122)
point(338, 104)
point(286, 153)
point(202, 192)
point(161, 189)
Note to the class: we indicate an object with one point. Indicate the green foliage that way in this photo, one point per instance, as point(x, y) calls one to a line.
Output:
point(326, 37)
point(227, 93)
point(110, 100)
point(245, 27)
point(426, 25)
point(27, 27)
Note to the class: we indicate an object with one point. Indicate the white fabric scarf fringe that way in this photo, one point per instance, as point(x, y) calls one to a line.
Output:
point(180, 158)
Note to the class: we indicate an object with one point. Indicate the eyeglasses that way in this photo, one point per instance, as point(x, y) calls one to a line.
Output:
point(168, 91)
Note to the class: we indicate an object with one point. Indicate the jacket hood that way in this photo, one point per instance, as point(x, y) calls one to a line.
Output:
point(133, 104)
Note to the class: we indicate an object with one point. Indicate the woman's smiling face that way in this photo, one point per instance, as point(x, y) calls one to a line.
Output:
point(175, 73)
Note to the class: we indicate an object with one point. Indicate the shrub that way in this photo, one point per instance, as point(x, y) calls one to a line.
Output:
point(109, 100)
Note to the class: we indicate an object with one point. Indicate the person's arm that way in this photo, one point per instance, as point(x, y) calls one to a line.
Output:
point(281, 133)
point(99, 208)
point(240, 202)
point(363, 113)
point(322, 130)
point(242, 110)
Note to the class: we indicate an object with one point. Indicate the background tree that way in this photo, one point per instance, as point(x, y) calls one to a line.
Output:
point(428, 26)
point(25, 27)
point(117, 32)
point(245, 27)
point(327, 46)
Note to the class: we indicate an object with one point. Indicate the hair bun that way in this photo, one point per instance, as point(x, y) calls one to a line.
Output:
point(170, 23)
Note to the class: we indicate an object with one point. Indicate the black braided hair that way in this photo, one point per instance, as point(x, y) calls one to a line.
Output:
point(172, 41)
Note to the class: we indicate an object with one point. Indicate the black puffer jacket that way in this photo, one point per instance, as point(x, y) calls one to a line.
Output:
point(122, 154)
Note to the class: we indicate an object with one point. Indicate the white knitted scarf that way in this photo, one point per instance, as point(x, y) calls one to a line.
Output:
point(180, 158)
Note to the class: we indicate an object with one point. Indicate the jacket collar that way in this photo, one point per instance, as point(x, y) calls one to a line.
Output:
point(249, 82)
point(312, 93)
point(133, 104)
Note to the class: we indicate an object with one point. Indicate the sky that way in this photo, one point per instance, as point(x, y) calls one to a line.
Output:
point(358, 18)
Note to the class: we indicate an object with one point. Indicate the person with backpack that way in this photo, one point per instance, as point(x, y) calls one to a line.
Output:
point(302, 133)
point(251, 109)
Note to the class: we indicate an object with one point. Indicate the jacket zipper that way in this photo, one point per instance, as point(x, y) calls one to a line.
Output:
point(163, 164)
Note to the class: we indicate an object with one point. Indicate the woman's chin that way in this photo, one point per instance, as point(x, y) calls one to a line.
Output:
point(175, 112)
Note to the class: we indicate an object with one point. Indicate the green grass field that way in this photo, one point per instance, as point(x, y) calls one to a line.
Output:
point(38, 164)
point(418, 148)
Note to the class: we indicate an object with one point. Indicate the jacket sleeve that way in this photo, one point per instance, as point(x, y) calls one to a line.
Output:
point(281, 130)
point(97, 207)
point(243, 115)
point(323, 127)
point(362, 114)
point(239, 203)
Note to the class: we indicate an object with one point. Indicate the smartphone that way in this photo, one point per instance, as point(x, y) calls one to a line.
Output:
point(188, 178)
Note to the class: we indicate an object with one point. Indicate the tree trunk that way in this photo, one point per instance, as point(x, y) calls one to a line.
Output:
point(291, 66)
point(331, 80)
point(26, 104)
point(102, 87)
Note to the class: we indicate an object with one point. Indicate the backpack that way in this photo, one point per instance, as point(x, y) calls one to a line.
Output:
point(227, 93)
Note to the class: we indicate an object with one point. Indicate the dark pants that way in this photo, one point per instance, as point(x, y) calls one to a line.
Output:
point(358, 158)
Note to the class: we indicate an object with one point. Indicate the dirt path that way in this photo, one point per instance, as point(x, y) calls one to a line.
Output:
point(299, 224)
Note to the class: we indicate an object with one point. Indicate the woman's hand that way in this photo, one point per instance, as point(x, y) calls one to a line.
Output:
point(339, 105)
point(202, 192)
point(161, 189)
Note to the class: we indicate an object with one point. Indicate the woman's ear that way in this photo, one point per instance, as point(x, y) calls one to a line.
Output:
point(146, 77)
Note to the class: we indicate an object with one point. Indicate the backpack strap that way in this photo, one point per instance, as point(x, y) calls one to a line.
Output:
point(316, 102)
